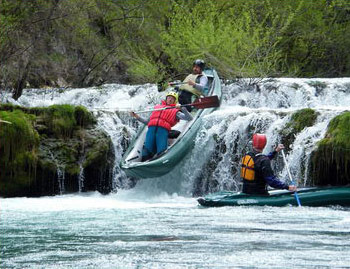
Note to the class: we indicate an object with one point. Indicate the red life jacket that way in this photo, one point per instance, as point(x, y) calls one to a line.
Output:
point(164, 118)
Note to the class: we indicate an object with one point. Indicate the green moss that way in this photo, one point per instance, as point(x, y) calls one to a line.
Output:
point(19, 136)
point(73, 169)
point(61, 120)
point(331, 161)
point(303, 118)
point(19, 143)
point(83, 117)
point(299, 120)
point(28, 163)
point(338, 132)
point(96, 155)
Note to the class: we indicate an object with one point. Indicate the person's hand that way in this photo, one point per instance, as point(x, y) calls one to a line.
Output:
point(133, 114)
point(292, 188)
point(279, 147)
point(178, 106)
point(191, 83)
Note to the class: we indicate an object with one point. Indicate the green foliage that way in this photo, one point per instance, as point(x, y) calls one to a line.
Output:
point(243, 43)
point(144, 70)
point(90, 42)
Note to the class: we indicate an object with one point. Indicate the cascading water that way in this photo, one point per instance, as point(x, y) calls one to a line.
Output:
point(60, 174)
point(213, 164)
point(156, 224)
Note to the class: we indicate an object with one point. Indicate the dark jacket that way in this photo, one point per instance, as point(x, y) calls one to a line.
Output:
point(264, 175)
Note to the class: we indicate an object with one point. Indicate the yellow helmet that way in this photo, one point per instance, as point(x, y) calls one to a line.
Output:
point(173, 94)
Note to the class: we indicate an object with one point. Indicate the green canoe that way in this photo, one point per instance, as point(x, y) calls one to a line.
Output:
point(178, 148)
point(308, 197)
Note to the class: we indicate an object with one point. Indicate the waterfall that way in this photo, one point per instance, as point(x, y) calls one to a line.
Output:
point(247, 107)
point(81, 176)
point(60, 173)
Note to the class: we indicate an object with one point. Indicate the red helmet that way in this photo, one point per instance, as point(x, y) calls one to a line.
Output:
point(259, 141)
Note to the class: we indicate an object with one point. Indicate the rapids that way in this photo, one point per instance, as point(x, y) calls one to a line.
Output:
point(157, 224)
point(248, 106)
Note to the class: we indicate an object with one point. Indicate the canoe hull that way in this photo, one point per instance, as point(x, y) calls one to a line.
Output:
point(166, 162)
point(308, 197)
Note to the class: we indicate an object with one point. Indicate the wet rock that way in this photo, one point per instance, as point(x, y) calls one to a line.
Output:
point(54, 150)
point(299, 120)
point(330, 162)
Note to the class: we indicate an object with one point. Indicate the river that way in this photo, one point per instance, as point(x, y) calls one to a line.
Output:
point(133, 229)
point(158, 224)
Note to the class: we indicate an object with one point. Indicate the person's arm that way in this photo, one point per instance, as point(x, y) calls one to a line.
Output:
point(183, 114)
point(273, 154)
point(270, 178)
point(274, 182)
point(140, 119)
point(202, 85)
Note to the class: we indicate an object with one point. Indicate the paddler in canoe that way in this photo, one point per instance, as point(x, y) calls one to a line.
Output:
point(160, 123)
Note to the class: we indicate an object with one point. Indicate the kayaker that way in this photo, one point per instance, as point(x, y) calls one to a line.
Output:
point(197, 84)
point(160, 123)
point(256, 169)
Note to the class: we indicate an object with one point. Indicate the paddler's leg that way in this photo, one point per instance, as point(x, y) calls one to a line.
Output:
point(149, 148)
point(162, 139)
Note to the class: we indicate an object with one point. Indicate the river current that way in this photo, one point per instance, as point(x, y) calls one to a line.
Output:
point(158, 223)
point(132, 229)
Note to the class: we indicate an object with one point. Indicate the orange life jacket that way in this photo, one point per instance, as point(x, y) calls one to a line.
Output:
point(247, 169)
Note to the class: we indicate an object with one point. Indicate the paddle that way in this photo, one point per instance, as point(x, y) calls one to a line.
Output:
point(5, 121)
point(200, 103)
point(175, 83)
point(290, 178)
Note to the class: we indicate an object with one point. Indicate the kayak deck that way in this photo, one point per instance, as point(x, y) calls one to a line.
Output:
point(308, 197)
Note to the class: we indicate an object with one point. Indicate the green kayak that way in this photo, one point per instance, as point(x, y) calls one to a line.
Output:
point(308, 197)
point(178, 147)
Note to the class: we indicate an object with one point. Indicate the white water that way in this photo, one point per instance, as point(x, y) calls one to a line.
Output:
point(156, 224)
point(245, 109)
point(133, 229)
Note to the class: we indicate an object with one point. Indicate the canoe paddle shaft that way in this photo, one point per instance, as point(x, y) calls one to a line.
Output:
point(200, 103)
point(290, 178)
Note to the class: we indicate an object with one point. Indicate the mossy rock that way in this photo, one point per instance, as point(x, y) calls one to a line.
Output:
point(299, 120)
point(18, 151)
point(330, 162)
point(38, 142)
point(99, 160)
point(58, 120)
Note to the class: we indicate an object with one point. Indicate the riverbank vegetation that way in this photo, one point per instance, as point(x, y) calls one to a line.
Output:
point(83, 43)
